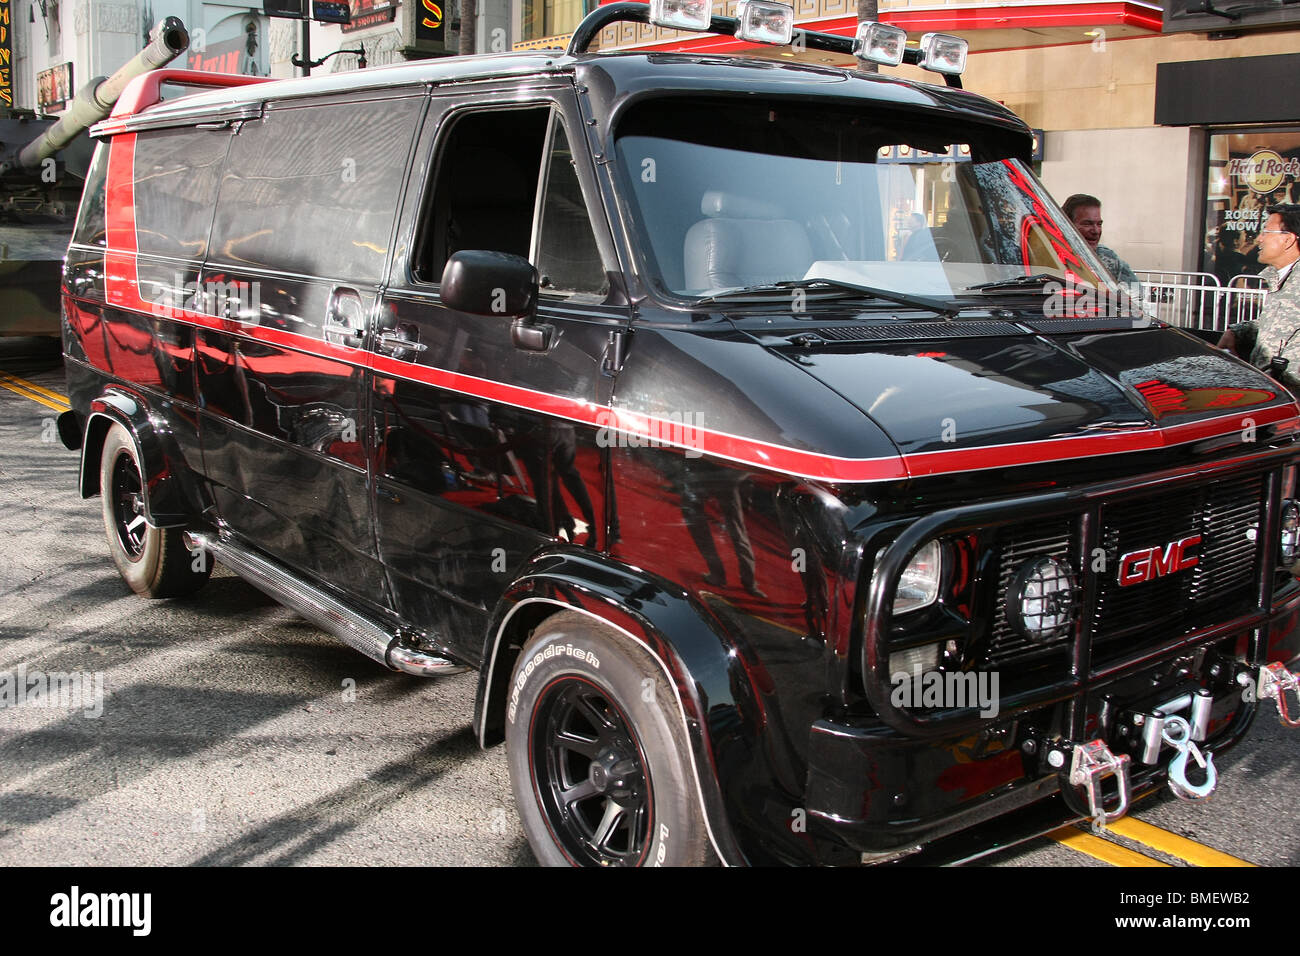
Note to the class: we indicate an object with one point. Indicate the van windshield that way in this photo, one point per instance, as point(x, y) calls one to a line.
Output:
point(732, 195)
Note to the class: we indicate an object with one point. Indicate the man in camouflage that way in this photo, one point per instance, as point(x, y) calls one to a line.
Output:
point(1278, 326)
point(1085, 212)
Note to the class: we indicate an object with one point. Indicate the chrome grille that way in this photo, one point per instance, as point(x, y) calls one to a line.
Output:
point(1225, 514)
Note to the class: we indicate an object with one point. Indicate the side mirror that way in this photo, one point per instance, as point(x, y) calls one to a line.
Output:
point(482, 282)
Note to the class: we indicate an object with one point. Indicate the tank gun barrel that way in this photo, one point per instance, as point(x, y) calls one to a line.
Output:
point(169, 39)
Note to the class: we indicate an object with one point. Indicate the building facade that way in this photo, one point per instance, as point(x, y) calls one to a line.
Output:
point(57, 46)
point(49, 49)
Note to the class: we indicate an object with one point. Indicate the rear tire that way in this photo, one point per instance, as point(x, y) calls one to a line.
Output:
point(153, 561)
point(598, 758)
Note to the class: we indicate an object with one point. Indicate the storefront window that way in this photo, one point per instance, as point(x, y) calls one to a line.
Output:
point(549, 18)
point(1249, 171)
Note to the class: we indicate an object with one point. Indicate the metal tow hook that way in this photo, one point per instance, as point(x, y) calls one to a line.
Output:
point(1091, 762)
point(1178, 734)
point(1274, 681)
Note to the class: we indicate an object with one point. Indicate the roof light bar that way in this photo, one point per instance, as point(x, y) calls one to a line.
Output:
point(880, 43)
point(764, 21)
point(681, 14)
point(943, 53)
point(875, 42)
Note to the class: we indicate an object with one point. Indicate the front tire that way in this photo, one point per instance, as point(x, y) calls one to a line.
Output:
point(153, 561)
point(598, 758)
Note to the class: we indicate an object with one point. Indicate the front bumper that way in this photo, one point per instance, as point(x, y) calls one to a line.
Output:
point(880, 792)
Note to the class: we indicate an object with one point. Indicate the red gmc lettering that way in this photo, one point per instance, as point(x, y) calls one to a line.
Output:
point(1149, 563)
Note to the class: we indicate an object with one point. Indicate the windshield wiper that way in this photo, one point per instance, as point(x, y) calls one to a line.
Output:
point(912, 301)
point(1033, 284)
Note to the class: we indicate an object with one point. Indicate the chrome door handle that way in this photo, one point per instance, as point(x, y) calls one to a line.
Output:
point(345, 316)
point(393, 341)
point(335, 328)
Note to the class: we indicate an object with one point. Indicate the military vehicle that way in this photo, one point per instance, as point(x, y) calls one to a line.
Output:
point(43, 165)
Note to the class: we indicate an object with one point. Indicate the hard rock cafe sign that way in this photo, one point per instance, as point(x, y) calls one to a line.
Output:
point(1263, 171)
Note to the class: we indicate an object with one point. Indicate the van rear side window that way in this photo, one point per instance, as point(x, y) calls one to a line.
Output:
point(314, 190)
point(176, 177)
point(91, 226)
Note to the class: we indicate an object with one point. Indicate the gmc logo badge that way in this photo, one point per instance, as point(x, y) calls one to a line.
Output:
point(1151, 563)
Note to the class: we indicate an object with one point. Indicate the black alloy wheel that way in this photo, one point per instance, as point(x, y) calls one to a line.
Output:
point(153, 560)
point(596, 741)
point(590, 775)
point(127, 502)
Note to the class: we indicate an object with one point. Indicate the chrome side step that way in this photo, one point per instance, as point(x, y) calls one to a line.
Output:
point(371, 637)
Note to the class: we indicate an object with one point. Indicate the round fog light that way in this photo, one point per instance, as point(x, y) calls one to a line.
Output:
point(1040, 600)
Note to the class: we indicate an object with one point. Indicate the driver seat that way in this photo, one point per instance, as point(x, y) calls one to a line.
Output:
point(743, 242)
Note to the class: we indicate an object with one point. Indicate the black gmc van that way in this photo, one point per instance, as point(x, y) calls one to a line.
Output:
point(755, 428)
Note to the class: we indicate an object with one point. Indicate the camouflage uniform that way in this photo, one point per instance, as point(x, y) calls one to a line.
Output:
point(1115, 265)
point(1279, 325)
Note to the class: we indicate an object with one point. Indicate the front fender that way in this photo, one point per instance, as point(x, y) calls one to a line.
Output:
point(715, 696)
point(172, 496)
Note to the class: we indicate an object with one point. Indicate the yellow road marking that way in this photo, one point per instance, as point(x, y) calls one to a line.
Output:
point(54, 396)
point(20, 386)
point(1100, 849)
point(1189, 850)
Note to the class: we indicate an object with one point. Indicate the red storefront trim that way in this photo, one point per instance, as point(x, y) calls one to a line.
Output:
point(949, 20)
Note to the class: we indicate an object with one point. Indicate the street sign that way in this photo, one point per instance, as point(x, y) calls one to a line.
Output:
point(331, 11)
point(322, 11)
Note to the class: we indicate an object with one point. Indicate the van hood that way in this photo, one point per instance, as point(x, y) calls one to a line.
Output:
point(967, 402)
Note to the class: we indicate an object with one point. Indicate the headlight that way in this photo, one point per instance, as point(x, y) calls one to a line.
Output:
point(918, 586)
point(1289, 545)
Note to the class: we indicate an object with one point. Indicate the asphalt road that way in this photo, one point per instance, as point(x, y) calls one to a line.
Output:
point(235, 733)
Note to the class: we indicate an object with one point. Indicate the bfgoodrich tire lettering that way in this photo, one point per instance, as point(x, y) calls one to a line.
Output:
point(598, 756)
point(153, 561)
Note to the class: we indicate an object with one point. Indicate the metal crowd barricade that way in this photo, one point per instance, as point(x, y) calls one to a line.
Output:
point(1245, 298)
point(1197, 300)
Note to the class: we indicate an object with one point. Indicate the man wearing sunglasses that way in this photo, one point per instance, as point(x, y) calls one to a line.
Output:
point(1277, 344)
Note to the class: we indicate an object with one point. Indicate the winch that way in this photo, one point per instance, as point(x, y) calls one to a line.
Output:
point(1166, 724)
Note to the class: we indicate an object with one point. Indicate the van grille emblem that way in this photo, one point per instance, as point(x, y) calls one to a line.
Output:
point(1147, 564)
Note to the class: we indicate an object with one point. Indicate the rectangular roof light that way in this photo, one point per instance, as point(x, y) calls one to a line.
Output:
point(879, 43)
point(681, 14)
point(943, 53)
point(763, 21)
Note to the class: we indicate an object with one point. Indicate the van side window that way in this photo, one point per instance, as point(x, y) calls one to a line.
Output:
point(567, 257)
point(313, 189)
point(485, 197)
point(484, 188)
point(92, 225)
point(177, 172)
